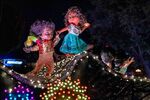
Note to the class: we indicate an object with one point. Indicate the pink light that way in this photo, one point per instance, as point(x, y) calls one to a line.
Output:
point(32, 98)
point(27, 90)
point(17, 91)
point(22, 91)
point(5, 91)
point(31, 92)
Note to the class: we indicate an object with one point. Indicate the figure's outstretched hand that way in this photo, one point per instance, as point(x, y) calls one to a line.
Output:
point(56, 39)
point(27, 50)
point(28, 43)
point(128, 61)
point(87, 25)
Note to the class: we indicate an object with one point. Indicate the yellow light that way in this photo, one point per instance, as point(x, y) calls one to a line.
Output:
point(145, 78)
point(80, 91)
point(138, 70)
point(10, 90)
point(69, 97)
point(63, 96)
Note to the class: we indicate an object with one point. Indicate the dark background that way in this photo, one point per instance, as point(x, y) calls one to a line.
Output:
point(123, 25)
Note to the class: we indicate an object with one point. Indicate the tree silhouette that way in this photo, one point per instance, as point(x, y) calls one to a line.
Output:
point(123, 25)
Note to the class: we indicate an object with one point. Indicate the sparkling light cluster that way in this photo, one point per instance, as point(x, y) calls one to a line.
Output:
point(130, 77)
point(18, 93)
point(65, 90)
point(126, 77)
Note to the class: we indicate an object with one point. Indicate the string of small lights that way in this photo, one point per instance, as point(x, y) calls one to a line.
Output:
point(62, 70)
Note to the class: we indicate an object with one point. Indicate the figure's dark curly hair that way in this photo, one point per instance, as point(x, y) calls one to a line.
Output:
point(38, 26)
point(77, 10)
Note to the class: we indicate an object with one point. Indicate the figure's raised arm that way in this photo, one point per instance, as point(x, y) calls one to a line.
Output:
point(29, 49)
point(62, 30)
point(86, 25)
point(30, 40)
point(56, 40)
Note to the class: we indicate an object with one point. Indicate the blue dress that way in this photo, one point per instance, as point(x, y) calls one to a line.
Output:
point(72, 44)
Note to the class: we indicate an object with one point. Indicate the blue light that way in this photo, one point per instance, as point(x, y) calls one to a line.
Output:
point(14, 62)
point(27, 98)
point(10, 94)
point(19, 95)
point(27, 94)
point(11, 62)
point(22, 98)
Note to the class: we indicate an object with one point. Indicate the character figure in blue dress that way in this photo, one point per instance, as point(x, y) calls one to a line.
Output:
point(75, 23)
